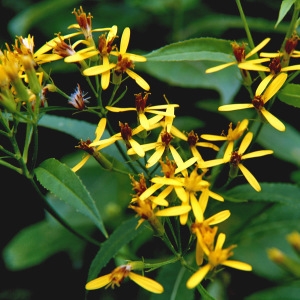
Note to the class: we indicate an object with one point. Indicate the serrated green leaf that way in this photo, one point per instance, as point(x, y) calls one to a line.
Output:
point(184, 63)
point(60, 180)
point(120, 237)
point(290, 94)
point(32, 245)
point(288, 194)
point(284, 9)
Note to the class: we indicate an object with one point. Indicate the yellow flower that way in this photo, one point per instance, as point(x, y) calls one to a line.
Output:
point(119, 274)
point(124, 64)
point(216, 257)
point(232, 135)
point(87, 146)
point(241, 58)
point(235, 158)
point(201, 227)
point(262, 96)
point(142, 109)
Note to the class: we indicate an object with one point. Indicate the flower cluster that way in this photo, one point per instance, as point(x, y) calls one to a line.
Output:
point(173, 180)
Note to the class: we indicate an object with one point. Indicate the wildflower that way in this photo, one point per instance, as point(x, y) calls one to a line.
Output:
point(92, 151)
point(235, 158)
point(242, 60)
point(142, 109)
point(124, 63)
point(77, 99)
point(202, 228)
point(232, 135)
point(262, 96)
point(117, 276)
point(216, 257)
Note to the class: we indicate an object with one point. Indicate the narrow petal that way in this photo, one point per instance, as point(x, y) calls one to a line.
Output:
point(173, 211)
point(120, 109)
point(211, 163)
point(245, 142)
point(257, 154)
point(167, 181)
point(263, 84)
point(215, 196)
point(220, 241)
point(185, 165)
point(137, 147)
point(98, 282)
point(250, 178)
point(144, 121)
point(276, 123)
point(125, 40)
point(146, 283)
point(211, 137)
point(220, 67)
point(138, 79)
point(154, 158)
point(150, 191)
point(96, 70)
point(237, 265)
point(258, 47)
point(218, 217)
point(197, 277)
point(100, 129)
point(274, 86)
point(230, 107)
point(81, 163)
point(198, 213)
point(135, 57)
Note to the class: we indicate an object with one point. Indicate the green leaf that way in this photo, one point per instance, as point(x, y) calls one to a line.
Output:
point(284, 9)
point(288, 194)
point(34, 244)
point(267, 230)
point(277, 293)
point(184, 63)
point(290, 94)
point(35, 13)
point(125, 233)
point(60, 180)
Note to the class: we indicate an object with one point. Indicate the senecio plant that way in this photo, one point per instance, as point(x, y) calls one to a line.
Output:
point(179, 188)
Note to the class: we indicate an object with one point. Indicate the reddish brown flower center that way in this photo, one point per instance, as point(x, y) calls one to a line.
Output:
point(258, 102)
point(140, 102)
point(126, 131)
point(239, 52)
point(192, 138)
point(235, 158)
point(166, 138)
point(291, 44)
point(123, 64)
point(275, 65)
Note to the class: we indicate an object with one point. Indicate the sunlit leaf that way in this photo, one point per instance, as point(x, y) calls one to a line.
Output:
point(284, 9)
point(290, 95)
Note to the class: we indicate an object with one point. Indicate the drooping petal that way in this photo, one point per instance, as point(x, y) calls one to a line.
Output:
point(81, 163)
point(237, 265)
point(138, 79)
point(146, 283)
point(211, 163)
point(276, 123)
point(150, 190)
point(250, 178)
point(98, 282)
point(137, 147)
point(198, 213)
point(197, 277)
point(263, 84)
point(154, 158)
point(100, 129)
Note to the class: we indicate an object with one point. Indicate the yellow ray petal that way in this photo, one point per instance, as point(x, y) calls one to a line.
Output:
point(218, 217)
point(258, 47)
point(245, 142)
point(275, 86)
point(250, 178)
point(96, 70)
point(230, 107)
point(137, 147)
point(173, 211)
point(98, 282)
point(257, 154)
point(220, 241)
point(237, 265)
point(276, 123)
point(211, 137)
point(220, 67)
point(81, 163)
point(146, 283)
point(125, 40)
point(263, 84)
point(138, 79)
point(197, 277)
